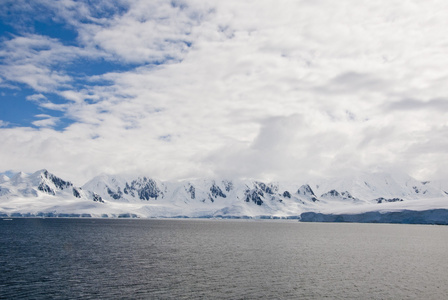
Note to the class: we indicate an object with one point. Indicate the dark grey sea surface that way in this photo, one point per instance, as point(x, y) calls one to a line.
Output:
point(220, 259)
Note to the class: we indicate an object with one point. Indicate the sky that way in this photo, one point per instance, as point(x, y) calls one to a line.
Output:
point(268, 90)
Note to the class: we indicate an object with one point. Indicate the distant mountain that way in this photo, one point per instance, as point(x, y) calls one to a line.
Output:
point(36, 184)
point(44, 194)
point(372, 186)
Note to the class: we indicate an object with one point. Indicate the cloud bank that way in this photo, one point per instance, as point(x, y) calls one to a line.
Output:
point(266, 90)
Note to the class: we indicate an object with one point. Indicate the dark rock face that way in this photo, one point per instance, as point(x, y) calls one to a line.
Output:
point(255, 196)
point(43, 187)
point(149, 190)
point(260, 191)
point(307, 191)
point(268, 189)
point(192, 191)
point(381, 200)
point(417, 191)
point(128, 191)
point(286, 194)
point(228, 185)
point(210, 198)
point(115, 195)
point(144, 187)
point(58, 182)
point(332, 193)
point(97, 198)
point(216, 191)
point(347, 195)
point(335, 194)
point(76, 193)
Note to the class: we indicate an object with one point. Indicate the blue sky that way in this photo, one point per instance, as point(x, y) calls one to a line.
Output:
point(38, 19)
point(185, 89)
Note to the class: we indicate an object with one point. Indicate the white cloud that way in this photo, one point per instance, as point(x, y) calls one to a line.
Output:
point(46, 121)
point(266, 90)
point(36, 61)
point(36, 98)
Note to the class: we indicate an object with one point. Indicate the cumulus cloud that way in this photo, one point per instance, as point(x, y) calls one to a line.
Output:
point(263, 89)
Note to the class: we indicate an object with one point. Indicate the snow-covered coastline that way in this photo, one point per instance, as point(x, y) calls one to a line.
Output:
point(377, 197)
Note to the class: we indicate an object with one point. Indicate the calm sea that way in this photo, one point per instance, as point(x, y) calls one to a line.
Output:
point(216, 259)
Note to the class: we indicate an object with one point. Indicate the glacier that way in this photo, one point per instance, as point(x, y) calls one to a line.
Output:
point(362, 197)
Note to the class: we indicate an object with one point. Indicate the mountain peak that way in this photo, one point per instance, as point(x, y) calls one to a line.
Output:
point(4, 178)
point(19, 177)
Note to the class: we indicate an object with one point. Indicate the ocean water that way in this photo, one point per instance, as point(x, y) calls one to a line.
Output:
point(220, 259)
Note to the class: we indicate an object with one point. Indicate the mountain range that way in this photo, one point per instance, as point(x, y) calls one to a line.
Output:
point(44, 194)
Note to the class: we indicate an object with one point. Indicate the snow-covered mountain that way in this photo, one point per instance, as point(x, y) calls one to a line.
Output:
point(43, 193)
point(379, 187)
point(37, 184)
